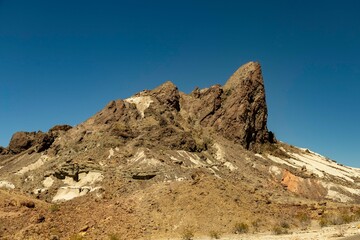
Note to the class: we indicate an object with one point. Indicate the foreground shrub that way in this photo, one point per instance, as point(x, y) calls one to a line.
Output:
point(54, 208)
point(327, 219)
point(304, 219)
point(77, 237)
point(188, 234)
point(281, 229)
point(214, 235)
point(256, 224)
point(113, 236)
point(241, 228)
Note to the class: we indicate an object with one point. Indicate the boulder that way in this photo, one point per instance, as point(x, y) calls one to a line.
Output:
point(2, 150)
point(22, 141)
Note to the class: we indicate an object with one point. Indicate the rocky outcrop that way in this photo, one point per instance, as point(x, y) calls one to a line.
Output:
point(237, 110)
point(244, 113)
point(167, 94)
point(2, 150)
point(164, 116)
point(22, 141)
point(58, 129)
point(43, 141)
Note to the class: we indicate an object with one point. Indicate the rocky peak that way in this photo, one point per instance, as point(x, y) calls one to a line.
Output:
point(167, 94)
point(244, 75)
point(237, 111)
point(245, 110)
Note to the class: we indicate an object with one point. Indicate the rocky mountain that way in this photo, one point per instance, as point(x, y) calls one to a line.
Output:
point(161, 162)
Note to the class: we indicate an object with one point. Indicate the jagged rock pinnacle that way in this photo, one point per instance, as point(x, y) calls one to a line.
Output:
point(237, 110)
point(244, 73)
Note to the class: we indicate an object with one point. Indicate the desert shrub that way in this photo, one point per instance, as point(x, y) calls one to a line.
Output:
point(278, 230)
point(54, 208)
point(113, 236)
point(323, 222)
point(327, 219)
point(335, 219)
point(284, 224)
point(346, 218)
point(77, 237)
point(255, 224)
point(187, 234)
point(214, 235)
point(357, 214)
point(304, 219)
point(241, 228)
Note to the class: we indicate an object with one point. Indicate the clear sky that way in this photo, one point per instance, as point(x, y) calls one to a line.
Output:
point(63, 61)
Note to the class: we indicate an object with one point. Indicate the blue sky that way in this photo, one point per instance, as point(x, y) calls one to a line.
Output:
point(63, 61)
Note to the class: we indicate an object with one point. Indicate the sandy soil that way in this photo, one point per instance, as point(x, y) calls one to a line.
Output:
point(345, 232)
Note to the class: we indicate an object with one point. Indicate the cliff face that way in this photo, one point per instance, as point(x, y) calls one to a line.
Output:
point(237, 110)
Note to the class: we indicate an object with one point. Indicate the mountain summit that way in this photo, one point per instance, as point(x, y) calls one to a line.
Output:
point(161, 160)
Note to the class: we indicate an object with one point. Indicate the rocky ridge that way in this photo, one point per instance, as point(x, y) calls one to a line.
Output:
point(209, 152)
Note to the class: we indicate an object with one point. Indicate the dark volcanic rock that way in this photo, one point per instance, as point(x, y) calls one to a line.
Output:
point(43, 141)
point(22, 141)
point(237, 110)
point(2, 150)
point(58, 128)
point(243, 116)
point(167, 94)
